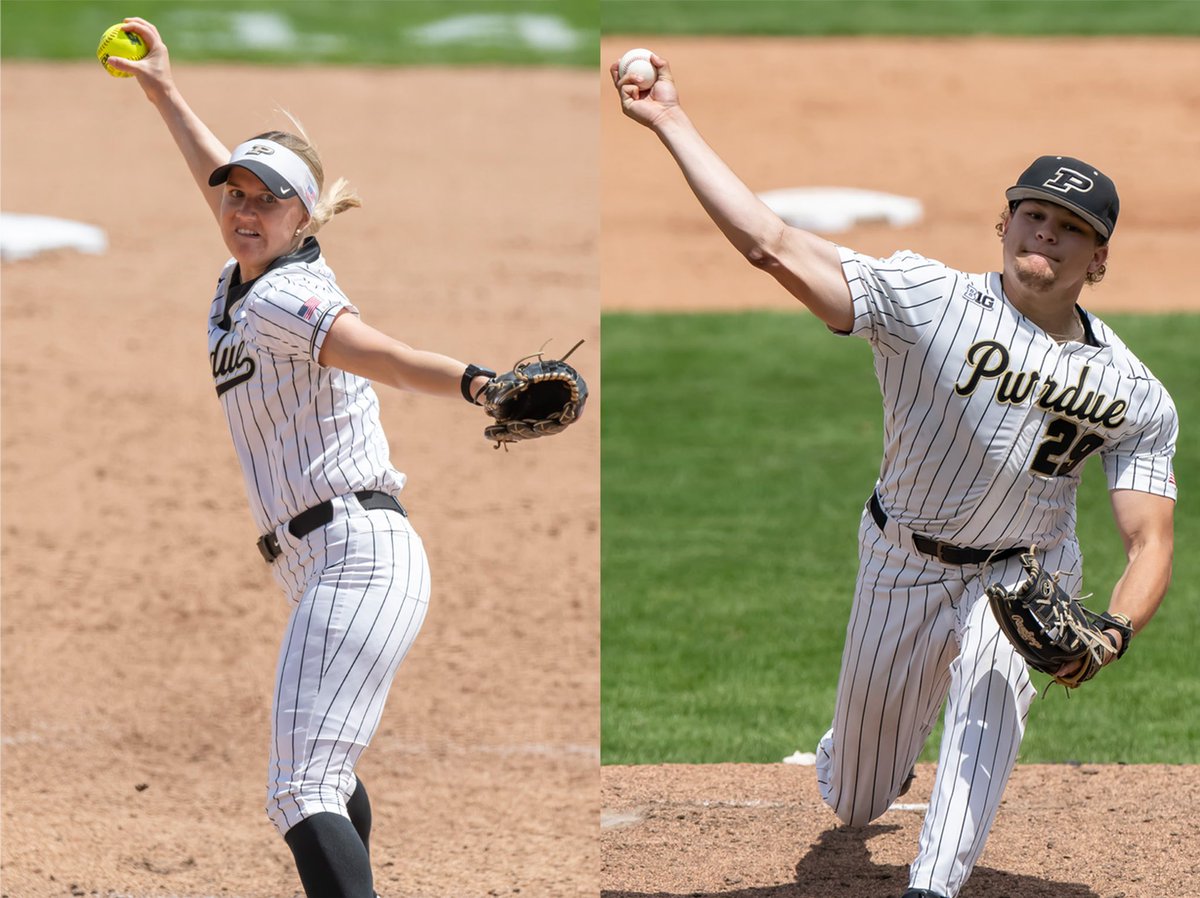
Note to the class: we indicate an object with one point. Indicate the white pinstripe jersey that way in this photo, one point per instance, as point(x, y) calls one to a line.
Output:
point(303, 433)
point(987, 419)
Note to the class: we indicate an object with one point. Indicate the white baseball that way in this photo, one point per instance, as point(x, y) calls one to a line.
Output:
point(638, 62)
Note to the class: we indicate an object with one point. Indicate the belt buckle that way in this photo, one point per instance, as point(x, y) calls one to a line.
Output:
point(934, 548)
point(268, 547)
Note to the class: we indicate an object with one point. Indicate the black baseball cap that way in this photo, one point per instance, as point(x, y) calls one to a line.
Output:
point(1072, 183)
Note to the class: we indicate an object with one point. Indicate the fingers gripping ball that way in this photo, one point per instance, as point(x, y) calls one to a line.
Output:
point(638, 62)
point(538, 398)
point(119, 42)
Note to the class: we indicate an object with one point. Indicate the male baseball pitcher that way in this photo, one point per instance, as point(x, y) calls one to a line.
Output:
point(996, 387)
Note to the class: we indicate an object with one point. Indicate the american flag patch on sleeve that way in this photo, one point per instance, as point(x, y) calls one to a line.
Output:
point(309, 308)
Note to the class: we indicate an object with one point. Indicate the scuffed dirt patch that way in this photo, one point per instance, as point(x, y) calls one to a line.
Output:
point(761, 831)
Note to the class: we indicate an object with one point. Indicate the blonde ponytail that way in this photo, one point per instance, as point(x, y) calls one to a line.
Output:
point(336, 200)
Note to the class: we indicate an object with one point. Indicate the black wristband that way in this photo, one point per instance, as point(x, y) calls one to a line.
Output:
point(1122, 625)
point(472, 372)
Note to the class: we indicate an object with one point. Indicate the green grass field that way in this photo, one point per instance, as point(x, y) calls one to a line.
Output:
point(737, 452)
point(371, 32)
point(909, 17)
point(555, 32)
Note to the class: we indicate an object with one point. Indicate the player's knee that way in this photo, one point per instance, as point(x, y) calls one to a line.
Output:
point(286, 805)
point(278, 816)
point(856, 814)
point(290, 802)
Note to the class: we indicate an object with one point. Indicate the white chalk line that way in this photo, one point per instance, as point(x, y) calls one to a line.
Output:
point(611, 818)
point(614, 818)
point(537, 749)
point(621, 819)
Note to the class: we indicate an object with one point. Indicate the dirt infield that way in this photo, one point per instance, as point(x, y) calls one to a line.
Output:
point(749, 831)
point(951, 122)
point(140, 626)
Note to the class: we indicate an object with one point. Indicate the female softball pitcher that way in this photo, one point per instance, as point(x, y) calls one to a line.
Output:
point(292, 364)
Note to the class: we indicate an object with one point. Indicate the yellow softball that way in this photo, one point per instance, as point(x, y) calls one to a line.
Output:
point(119, 42)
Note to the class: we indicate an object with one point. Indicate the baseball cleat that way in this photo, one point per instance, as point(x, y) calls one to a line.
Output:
point(921, 893)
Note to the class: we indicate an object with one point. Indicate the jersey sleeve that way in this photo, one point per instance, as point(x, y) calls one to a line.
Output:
point(290, 314)
point(895, 299)
point(1142, 460)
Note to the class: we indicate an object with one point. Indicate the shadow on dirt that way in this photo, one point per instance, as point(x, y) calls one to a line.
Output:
point(838, 865)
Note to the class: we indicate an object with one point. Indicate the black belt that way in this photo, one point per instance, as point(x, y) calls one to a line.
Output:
point(944, 552)
point(319, 515)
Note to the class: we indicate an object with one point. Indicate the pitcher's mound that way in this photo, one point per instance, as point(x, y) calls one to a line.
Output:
point(761, 831)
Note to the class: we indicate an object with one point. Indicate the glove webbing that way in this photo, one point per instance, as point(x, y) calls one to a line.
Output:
point(1064, 622)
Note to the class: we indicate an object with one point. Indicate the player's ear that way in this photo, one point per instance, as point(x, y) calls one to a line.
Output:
point(1099, 257)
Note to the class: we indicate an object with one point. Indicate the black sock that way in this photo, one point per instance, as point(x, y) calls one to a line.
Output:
point(330, 857)
point(359, 808)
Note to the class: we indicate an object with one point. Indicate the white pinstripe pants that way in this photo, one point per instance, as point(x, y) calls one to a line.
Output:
point(921, 632)
point(359, 590)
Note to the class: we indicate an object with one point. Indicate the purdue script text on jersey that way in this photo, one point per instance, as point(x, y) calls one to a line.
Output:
point(987, 418)
point(231, 365)
point(990, 359)
point(303, 433)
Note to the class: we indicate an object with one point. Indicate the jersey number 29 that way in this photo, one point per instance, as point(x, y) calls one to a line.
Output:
point(1061, 441)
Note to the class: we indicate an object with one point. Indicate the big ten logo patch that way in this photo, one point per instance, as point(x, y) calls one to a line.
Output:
point(980, 299)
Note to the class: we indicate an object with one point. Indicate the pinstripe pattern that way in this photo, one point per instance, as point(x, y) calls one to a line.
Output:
point(358, 587)
point(921, 632)
point(962, 467)
point(359, 590)
point(989, 698)
point(987, 423)
point(303, 433)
